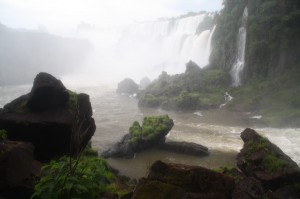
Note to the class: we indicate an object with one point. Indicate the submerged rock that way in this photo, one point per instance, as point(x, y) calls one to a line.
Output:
point(178, 181)
point(186, 147)
point(261, 159)
point(127, 86)
point(52, 125)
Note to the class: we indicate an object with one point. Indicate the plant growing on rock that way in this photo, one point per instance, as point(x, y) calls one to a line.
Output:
point(152, 127)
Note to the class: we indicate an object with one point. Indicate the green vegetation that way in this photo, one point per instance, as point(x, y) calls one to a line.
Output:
point(271, 162)
point(152, 127)
point(277, 99)
point(195, 89)
point(88, 177)
point(73, 100)
point(3, 135)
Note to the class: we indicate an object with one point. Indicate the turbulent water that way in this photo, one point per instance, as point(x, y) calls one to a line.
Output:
point(219, 130)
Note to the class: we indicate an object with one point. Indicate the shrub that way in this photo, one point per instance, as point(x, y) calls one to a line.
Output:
point(87, 178)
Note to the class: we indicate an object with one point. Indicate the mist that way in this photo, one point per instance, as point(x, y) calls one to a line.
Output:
point(91, 43)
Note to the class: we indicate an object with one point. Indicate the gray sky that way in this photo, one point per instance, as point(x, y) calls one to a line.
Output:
point(58, 16)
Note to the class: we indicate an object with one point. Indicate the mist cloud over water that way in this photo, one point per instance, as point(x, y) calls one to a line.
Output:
point(130, 38)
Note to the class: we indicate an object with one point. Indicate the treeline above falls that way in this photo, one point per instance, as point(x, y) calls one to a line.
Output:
point(24, 53)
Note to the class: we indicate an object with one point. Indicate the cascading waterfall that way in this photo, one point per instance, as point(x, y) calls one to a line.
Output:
point(148, 48)
point(241, 45)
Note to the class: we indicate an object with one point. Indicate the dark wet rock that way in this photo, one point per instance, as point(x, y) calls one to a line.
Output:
point(261, 159)
point(18, 169)
point(152, 133)
point(183, 181)
point(248, 187)
point(47, 93)
point(127, 86)
point(186, 148)
point(49, 129)
point(120, 149)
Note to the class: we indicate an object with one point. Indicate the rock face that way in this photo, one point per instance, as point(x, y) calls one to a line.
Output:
point(179, 181)
point(18, 169)
point(50, 117)
point(261, 159)
point(127, 86)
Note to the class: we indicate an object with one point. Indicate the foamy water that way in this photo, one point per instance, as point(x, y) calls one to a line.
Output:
point(219, 130)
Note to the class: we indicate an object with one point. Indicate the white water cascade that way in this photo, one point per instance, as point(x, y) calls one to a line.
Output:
point(240, 58)
point(148, 48)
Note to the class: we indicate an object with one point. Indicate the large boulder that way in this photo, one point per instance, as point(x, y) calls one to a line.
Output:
point(47, 93)
point(54, 128)
point(264, 161)
point(178, 181)
point(18, 169)
point(151, 133)
point(127, 86)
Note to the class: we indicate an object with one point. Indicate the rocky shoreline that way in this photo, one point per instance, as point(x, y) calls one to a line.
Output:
point(52, 121)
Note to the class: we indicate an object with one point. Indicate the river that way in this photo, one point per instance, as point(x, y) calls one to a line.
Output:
point(219, 130)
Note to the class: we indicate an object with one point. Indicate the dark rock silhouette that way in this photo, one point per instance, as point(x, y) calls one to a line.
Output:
point(47, 93)
point(18, 169)
point(51, 118)
point(179, 181)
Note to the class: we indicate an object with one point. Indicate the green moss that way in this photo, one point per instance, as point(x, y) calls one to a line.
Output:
point(273, 164)
point(89, 151)
point(73, 100)
point(254, 146)
point(152, 126)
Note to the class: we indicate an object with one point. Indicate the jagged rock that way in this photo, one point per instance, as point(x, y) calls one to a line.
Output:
point(152, 133)
point(261, 159)
point(186, 147)
point(52, 131)
point(178, 181)
point(127, 86)
point(247, 188)
point(18, 169)
point(47, 93)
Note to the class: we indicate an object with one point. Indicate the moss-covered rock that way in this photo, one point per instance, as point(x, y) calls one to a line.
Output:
point(151, 133)
point(182, 181)
point(261, 159)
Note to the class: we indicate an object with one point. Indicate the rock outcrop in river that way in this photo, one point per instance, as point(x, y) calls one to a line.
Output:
point(152, 134)
point(50, 117)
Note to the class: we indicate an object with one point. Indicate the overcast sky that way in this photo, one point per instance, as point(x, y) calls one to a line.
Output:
point(57, 15)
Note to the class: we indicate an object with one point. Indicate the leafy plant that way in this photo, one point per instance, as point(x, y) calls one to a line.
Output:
point(72, 178)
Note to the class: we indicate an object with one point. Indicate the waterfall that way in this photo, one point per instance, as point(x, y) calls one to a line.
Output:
point(240, 58)
point(148, 48)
